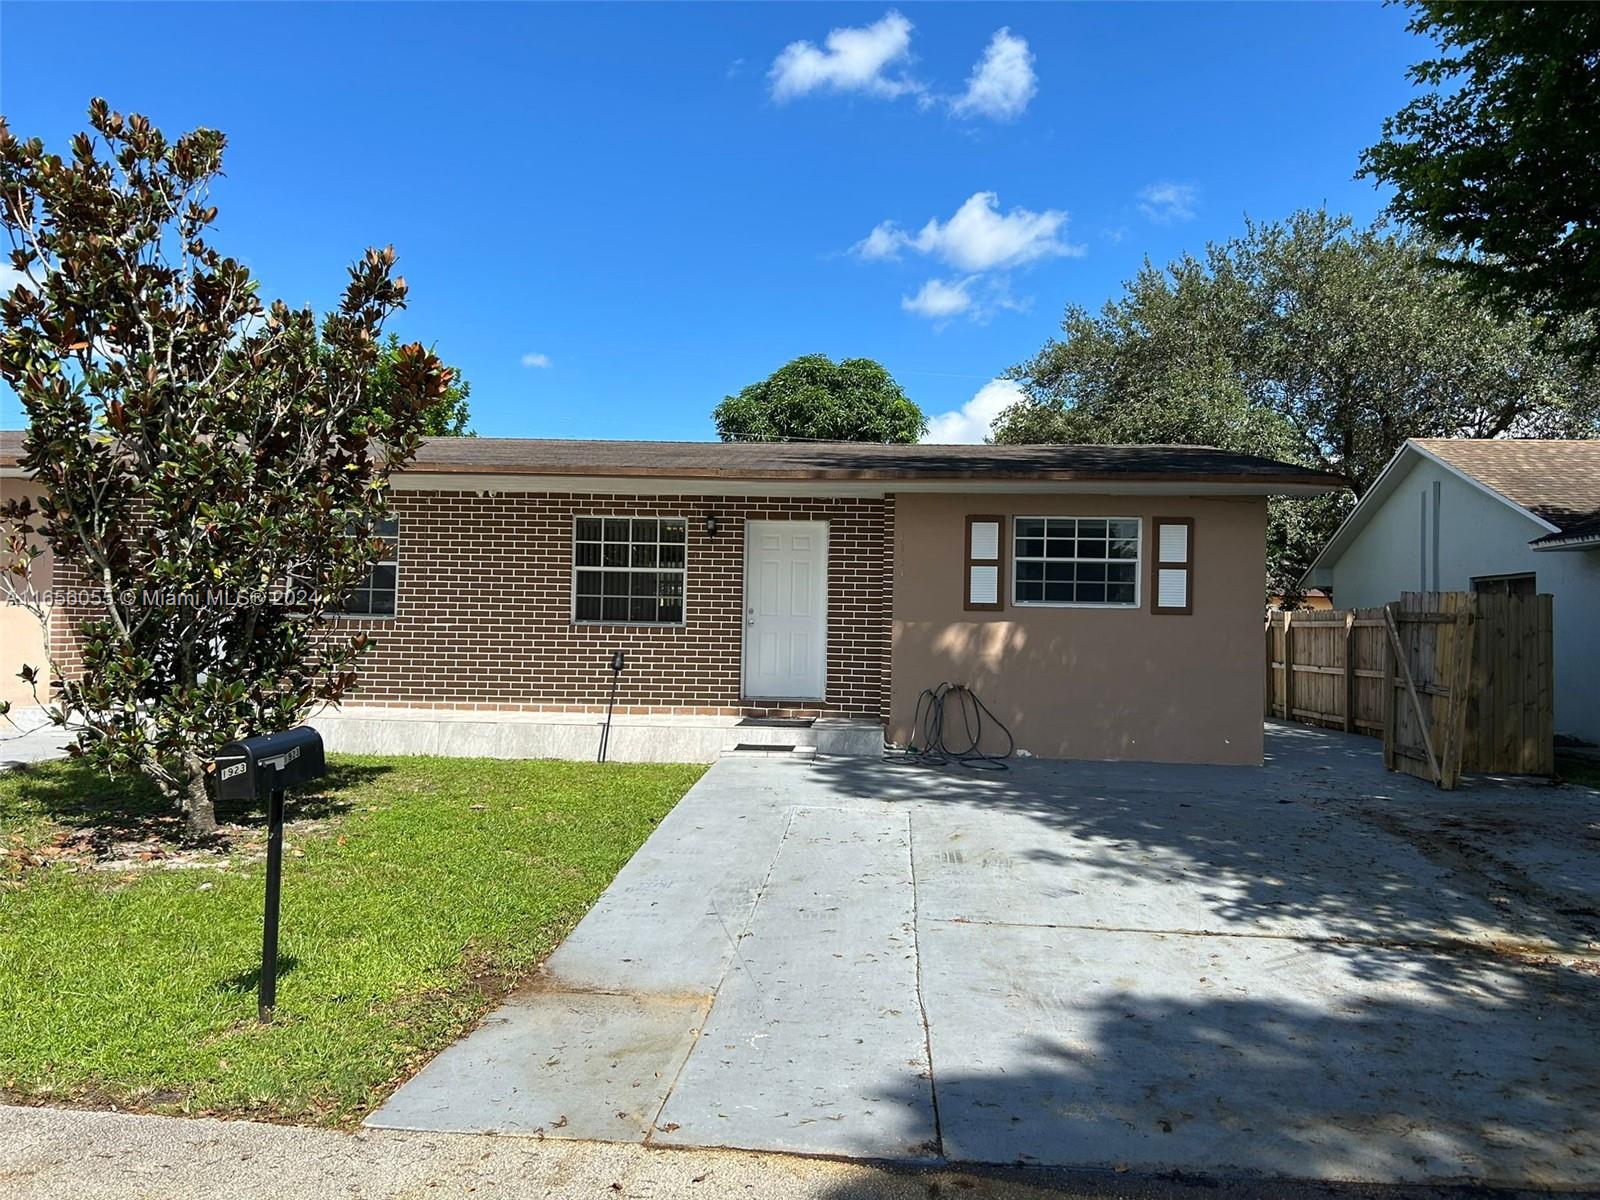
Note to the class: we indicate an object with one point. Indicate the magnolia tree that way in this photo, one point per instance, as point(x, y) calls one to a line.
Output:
point(211, 468)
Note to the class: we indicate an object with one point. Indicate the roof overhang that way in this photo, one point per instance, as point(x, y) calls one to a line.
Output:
point(725, 485)
point(1578, 541)
point(1383, 487)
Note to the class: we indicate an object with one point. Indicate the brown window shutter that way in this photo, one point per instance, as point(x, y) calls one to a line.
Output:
point(1172, 565)
point(983, 577)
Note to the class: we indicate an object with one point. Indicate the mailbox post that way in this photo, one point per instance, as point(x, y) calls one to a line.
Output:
point(263, 767)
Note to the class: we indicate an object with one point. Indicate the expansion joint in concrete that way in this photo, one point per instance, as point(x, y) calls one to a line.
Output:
point(737, 958)
point(922, 1006)
point(1461, 946)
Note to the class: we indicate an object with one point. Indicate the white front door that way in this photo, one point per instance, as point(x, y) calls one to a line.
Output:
point(786, 609)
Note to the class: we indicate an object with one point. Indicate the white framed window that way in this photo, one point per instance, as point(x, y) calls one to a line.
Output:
point(628, 570)
point(1075, 562)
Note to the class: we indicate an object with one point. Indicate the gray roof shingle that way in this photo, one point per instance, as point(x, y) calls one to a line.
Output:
point(839, 461)
point(1556, 479)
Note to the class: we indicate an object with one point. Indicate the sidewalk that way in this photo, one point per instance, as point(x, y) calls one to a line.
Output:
point(67, 1154)
point(29, 737)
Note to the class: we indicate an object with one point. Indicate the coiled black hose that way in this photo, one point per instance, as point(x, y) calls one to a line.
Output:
point(928, 745)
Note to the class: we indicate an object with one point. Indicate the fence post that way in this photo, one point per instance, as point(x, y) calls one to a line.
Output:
point(1268, 693)
point(1349, 672)
point(1544, 762)
point(1460, 667)
point(1390, 708)
point(1288, 666)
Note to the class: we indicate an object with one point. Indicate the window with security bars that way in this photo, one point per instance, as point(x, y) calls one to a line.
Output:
point(375, 595)
point(628, 570)
point(1090, 561)
point(378, 591)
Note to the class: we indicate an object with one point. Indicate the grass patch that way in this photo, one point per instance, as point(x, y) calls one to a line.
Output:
point(1585, 772)
point(416, 892)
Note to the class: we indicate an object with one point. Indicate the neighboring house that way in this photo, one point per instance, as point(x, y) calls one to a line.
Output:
point(1312, 600)
point(1458, 514)
point(834, 580)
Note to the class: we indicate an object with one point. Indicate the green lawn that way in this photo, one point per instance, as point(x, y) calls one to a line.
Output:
point(1584, 772)
point(416, 893)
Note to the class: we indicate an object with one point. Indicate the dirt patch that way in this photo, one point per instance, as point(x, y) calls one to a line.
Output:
point(96, 848)
point(1462, 843)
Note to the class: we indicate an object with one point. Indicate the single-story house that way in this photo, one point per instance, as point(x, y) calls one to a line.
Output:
point(1104, 601)
point(1500, 515)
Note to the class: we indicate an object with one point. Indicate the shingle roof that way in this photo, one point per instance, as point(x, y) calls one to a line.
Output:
point(840, 461)
point(849, 460)
point(1557, 480)
point(1585, 530)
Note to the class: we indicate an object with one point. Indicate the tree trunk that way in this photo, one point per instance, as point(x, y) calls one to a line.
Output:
point(197, 803)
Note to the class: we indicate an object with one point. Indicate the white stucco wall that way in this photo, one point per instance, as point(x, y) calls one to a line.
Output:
point(1479, 535)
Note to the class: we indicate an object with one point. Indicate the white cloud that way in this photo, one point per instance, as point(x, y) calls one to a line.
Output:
point(976, 297)
point(884, 241)
point(971, 423)
point(850, 60)
point(978, 237)
point(536, 360)
point(939, 299)
point(1166, 202)
point(1002, 82)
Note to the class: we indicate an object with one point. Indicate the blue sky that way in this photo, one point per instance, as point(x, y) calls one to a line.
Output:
point(612, 216)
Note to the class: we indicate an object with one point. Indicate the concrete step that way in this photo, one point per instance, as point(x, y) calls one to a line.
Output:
point(769, 751)
point(832, 736)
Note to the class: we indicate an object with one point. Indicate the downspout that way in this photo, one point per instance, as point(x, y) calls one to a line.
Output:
point(1422, 545)
point(1436, 494)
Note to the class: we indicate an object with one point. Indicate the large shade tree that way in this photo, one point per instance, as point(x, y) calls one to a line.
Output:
point(1499, 158)
point(211, 467)
point(1308, 340)
point(448, 416)
point(815, 398)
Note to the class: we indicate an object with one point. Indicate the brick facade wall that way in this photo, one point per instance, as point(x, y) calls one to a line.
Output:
point(484, 609)
point(484, 614)
point(66, 615)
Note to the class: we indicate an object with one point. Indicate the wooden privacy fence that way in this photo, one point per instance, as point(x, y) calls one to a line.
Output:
point(1452, 681)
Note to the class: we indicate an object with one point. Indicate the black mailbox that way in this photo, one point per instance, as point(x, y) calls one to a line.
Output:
point(263, 766)
point(256, 767)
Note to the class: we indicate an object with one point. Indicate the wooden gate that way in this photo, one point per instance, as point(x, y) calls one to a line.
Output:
point(1427, 681)
point(1453, 681)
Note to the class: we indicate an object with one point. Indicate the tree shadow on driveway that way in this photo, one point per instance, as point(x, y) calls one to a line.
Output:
point(1287, 971)
point(1499, 1084)
point(1319, 844)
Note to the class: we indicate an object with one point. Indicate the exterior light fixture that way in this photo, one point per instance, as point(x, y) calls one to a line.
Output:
point(711, 525)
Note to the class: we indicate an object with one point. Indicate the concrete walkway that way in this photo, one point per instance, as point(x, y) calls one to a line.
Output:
point(29, 737)
point(1308, 970)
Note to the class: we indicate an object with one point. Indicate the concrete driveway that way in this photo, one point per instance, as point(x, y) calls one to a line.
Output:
point(1312, 969)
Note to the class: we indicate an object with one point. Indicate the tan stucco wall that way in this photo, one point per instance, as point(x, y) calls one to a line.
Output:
point(1096, 683)
point(22, 637)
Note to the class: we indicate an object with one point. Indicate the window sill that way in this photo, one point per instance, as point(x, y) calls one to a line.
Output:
point(1134, 607)
point(629, 624)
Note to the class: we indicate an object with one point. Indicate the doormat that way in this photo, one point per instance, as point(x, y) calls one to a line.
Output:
point(779, 722)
